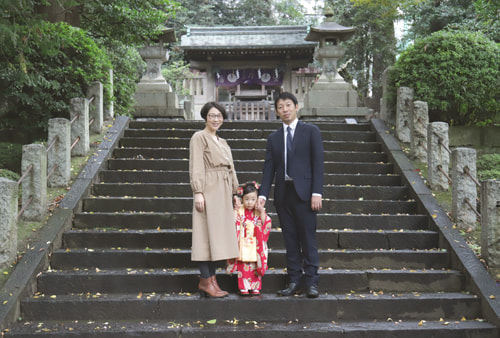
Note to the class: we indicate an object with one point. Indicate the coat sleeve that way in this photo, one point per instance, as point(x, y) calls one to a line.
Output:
point(196, 164)
point(317, 159)
point(268, 171)
point(233, 173)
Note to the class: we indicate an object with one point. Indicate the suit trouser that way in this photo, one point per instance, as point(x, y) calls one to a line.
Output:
point(298, 225)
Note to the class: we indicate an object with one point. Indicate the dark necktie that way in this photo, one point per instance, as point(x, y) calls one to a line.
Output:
point(289, 151)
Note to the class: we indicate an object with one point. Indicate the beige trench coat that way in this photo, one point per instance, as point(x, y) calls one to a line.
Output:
point(211, 172)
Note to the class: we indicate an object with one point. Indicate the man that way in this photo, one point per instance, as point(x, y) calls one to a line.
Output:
point(294, 160)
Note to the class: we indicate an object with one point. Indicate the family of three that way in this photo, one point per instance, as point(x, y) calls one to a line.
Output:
point(224, 225)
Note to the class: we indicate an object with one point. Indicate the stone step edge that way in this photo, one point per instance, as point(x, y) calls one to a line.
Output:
point(217, 327)
point(118, 231)
point(271, 250)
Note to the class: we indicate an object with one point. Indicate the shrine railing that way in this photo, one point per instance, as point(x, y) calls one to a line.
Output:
point(301, 84)
point(250, 110)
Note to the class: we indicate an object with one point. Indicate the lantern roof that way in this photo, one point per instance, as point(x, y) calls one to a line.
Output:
point(167, 35)
point(329, 28)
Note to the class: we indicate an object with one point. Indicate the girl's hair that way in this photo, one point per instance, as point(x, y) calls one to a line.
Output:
point(248, 188)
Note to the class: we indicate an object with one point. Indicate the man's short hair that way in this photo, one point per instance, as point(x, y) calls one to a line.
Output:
point(285, 96)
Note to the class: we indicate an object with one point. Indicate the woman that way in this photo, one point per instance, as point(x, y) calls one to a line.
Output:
point(214, 182)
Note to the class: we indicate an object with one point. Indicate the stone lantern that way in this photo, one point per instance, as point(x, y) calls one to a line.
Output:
point(154, 96)
point(331, 95)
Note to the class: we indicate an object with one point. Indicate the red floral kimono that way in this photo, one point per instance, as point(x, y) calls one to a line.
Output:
point(250, 273)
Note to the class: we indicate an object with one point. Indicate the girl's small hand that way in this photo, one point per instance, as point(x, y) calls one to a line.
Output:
point(237, 202)
point(199, 202)
point(260, 208)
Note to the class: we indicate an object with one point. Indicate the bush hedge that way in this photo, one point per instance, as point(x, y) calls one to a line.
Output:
point(10, 156)
point(488, 167)
point(57, 63)
point(456, 72)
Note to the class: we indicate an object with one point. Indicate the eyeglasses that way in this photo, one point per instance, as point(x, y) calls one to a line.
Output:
point(215, 116)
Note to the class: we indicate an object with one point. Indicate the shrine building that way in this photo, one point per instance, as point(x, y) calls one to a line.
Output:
point(243, 67)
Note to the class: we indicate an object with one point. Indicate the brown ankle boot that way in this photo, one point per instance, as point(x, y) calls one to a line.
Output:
point(206, 287)
point(214, 282)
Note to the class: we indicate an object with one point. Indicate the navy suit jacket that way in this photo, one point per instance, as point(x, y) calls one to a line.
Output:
point(306, 164)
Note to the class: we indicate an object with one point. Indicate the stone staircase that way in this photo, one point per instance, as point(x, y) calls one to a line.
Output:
point(124, 268)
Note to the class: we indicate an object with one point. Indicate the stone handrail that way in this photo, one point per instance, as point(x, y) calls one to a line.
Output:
point(49, 166)
point(461, 174)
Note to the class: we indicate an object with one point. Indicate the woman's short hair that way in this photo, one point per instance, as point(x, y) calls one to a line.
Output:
point(212, 104)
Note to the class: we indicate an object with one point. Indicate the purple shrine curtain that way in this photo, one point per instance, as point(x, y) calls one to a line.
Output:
point(233, 77)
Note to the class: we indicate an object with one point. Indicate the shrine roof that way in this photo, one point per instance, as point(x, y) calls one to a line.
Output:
point(246, 38)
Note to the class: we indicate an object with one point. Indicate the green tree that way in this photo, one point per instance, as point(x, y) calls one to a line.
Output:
point(53, 64)
point(456, 73)
point(372, 48)
point(429, 16)
point(247, 12)
point(290, 12)
point(27, 41)
point(129, 22)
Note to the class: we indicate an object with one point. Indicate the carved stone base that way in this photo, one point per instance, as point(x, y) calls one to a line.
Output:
point(155, 100)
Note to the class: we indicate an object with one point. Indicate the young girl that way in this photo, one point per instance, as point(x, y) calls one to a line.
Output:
point(251, 221)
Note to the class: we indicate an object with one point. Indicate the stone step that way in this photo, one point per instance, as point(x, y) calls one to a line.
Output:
point(158, 176)
point(175, 142)
point(249, 134)
point(63, 259)
point(250, 125)
point(169, 220)
point(267, 307)
point(333, 281)
point(294, 328)
point(185, 204)
point(184, 190)
point(181, 238)
point(243, 154)
point(244, 166)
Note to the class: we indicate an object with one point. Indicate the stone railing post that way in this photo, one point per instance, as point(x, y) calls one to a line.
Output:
point(109, 107)
point(385, 110)
point(404, 106)
point(34, 185)
point(79, 113)
point(96, 112)
point(8, 221)
point(59, 154)
point(438, 157)
point(418, 135)
point(490, 224)
point(463, 188)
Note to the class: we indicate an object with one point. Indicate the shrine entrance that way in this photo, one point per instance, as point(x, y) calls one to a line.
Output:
point(244, 67)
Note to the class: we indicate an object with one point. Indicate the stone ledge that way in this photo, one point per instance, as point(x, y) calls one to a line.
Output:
point(462, 257)
point(22, 281)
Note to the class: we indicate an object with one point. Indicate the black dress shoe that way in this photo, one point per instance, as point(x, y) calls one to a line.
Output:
point(290, 290)
point(312, 291)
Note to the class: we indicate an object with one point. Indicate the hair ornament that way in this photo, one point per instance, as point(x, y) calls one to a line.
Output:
point(239, 192)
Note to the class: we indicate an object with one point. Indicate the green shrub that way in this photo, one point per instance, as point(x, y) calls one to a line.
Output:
point(457, 73)
point(56, 63)
point(5, 173)
point(127, 70)
point(175, 72)
point(488, 166)
point(10, 156)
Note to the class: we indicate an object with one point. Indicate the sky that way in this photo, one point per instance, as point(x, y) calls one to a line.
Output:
point(310, 4)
